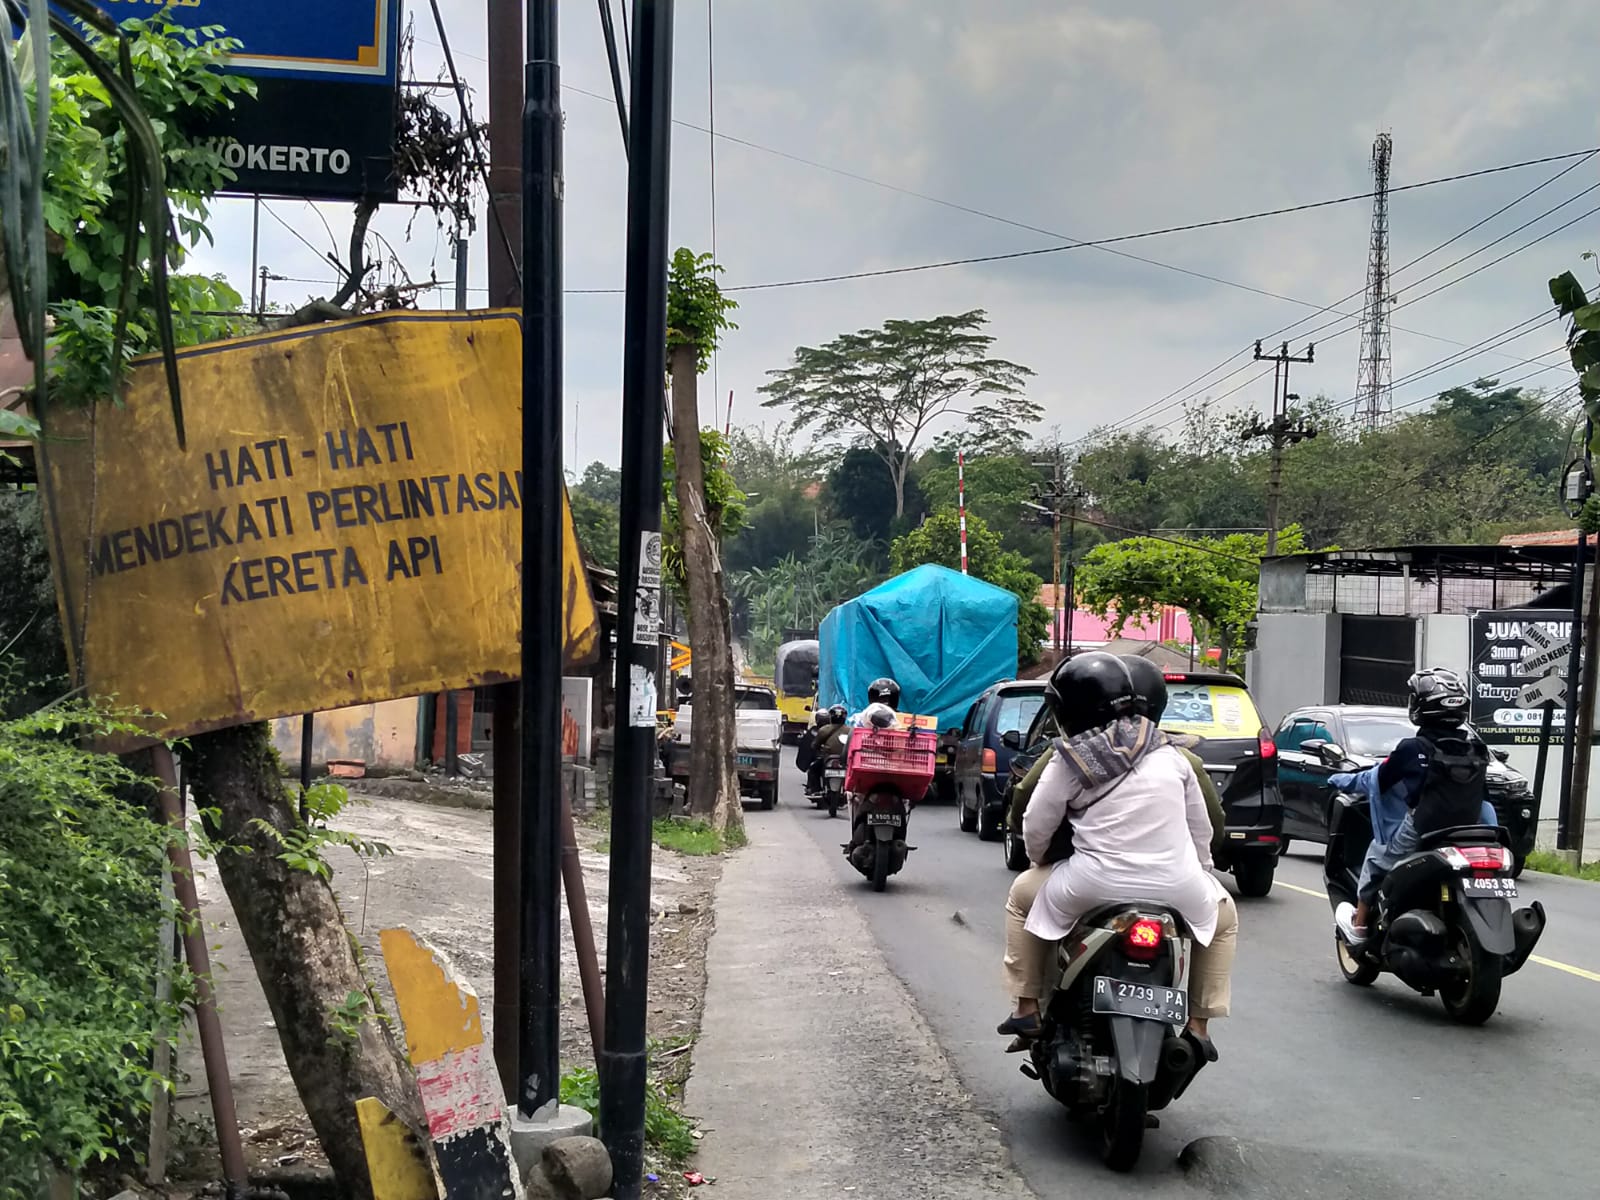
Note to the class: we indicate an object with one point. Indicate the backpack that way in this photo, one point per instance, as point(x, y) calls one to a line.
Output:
point(1455, 786)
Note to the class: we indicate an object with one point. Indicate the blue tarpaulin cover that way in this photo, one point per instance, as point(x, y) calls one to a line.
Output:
point(942, 636)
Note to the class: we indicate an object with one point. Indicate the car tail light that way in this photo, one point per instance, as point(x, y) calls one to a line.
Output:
point(1144, 939)
point(989, 764)
point(1269, 748)
point(1478, 858)
point(1174, 677)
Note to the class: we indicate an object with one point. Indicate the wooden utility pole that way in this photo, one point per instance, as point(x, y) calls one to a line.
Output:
point(1060, 500)
point(1281, 430)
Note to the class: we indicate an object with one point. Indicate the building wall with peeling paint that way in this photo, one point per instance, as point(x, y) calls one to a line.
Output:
point(382, 735)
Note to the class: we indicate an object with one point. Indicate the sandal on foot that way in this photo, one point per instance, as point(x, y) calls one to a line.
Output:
point(1029, 1026)
point(1205, 1049)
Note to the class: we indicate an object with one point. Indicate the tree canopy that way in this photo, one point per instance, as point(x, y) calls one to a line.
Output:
point(887, 387)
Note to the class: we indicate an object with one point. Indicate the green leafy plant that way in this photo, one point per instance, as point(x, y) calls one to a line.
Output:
point(81, 915)
point(666, 1130)
point(724, 502)
point(697, 311)
point(301, 847)
point(687, 837)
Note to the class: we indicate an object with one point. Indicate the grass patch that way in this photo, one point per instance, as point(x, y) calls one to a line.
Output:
point(688, 837)
point(666, 1130)
point(1552, 864)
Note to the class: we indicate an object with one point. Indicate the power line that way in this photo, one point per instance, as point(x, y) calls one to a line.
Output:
point(1189, 389)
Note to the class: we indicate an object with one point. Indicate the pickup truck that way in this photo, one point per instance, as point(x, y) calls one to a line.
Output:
point(759, 736)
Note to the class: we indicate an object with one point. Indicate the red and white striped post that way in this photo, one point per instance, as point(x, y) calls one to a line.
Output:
point(961, 503)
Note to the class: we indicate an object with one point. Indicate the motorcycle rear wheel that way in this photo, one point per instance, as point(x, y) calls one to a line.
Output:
point(1473, 1001)
point(1355, 970)
point(882, 855)
point(1122, 1125)
point(833, 804)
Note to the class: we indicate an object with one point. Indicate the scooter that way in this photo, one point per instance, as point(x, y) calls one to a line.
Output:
point(1444, 922)
point(1112, 1047)
point(887, 771)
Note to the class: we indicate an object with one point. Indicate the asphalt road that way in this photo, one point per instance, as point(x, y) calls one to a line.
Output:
point(1329, 1091)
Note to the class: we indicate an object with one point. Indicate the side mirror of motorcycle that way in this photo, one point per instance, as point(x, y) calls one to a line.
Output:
point(1502, 755)
point(1011, 739)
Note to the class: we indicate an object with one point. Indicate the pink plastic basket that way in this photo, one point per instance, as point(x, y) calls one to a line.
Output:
point(897, 758)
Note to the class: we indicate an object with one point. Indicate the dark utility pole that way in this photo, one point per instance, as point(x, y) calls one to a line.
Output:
point(1569, 827)
point(539, 1006)
point(505, 291)
point(644, 373)
point(1282, 431)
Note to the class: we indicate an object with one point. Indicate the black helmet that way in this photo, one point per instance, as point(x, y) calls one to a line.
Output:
point(1437, 697)
point(1089, 690)
point(820, 717)
point(1150, 683)
point(884, 691)
point(838, 714)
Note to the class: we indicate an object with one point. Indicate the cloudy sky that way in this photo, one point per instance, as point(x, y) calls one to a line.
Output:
point(1085, 120)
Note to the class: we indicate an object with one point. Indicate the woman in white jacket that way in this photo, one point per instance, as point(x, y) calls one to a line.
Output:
point(1128, 805)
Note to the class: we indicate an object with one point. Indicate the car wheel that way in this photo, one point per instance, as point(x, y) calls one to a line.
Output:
point(1016, 851)
point(1254, 875)
point(968, 821)
point(988, 825)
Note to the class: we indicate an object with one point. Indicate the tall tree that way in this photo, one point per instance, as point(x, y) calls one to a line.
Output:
point(859, 492)
point(887, 387)
point(697, 315)
point(596, 500)
point(938, 540)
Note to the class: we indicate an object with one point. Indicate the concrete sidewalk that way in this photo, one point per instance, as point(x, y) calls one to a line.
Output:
point(815, 1074)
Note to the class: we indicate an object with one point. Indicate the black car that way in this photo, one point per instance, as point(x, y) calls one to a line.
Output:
point(1239, 756)
point(1314, 743)
point(989, 739)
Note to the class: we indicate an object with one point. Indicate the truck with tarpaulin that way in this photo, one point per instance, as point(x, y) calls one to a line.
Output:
point(944, 637)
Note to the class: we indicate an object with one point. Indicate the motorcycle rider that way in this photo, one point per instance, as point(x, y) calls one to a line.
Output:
point(1129, 803)
point(883, 698)
point(827, 735)
point(1440, 776)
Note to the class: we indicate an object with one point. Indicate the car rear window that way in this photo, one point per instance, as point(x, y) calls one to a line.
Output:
point(1017, 710)
point(754, 701)
point(1374, 737)
point(1210, 710)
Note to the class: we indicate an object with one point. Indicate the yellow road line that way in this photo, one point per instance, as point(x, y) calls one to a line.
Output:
point(1593, 976)
point(1553, 964)
point(1303, 891)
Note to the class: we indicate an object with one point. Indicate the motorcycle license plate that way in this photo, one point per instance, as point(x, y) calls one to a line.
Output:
point(1150, 1002)
point(744, 760)
point(836, 777)
point(894, 819)
point(1495, 887)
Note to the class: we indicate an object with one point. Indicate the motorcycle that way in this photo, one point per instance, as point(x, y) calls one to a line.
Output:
point(833, 774)
point(1444, 922)
point(1111, 1048)
point(887, 771)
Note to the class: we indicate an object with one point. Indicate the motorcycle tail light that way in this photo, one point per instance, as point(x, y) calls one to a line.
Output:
point(1478, 858)
point(1143, 939)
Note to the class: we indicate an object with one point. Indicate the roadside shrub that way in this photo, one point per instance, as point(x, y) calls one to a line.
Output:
point(80, 917)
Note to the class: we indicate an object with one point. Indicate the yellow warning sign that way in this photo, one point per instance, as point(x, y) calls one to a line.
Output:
point(344, 527)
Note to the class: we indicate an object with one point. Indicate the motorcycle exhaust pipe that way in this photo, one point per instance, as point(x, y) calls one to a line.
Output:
point(1177, 1057)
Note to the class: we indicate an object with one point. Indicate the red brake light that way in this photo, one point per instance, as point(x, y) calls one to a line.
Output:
point(1479, 858)
point(1269, 748)
point(1173, 677)
point(989, 764)
point(1144, 938)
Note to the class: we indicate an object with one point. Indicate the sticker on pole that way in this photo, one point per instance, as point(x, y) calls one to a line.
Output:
point(650, 558)
point(641, 697)
point(646, 616)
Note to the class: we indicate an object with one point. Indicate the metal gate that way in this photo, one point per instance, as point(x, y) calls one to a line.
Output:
point(1376, 657)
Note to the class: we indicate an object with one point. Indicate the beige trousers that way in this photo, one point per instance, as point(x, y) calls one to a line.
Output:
point(1028, 965)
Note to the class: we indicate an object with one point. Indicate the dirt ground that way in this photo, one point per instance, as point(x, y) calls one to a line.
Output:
point(438, 882)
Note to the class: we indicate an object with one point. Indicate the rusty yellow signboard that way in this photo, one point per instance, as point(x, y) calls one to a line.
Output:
point(344, 527)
